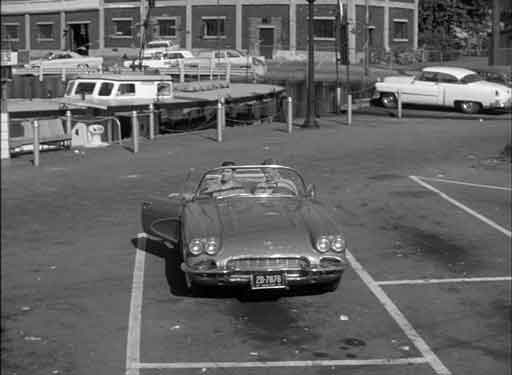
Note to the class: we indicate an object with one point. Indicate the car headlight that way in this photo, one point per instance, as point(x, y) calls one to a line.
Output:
point(195, 247)
point(211, 247)
point(338, 244)
point(323, 244)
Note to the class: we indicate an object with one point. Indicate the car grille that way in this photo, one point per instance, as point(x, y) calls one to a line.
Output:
point(258, 264)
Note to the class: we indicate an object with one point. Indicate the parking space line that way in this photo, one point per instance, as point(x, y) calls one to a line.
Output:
point(134, 319)
point(400, 319)
point(133, 364)
point(441, 281)
point(463, 207)
point(466, 183)
point(318, 363)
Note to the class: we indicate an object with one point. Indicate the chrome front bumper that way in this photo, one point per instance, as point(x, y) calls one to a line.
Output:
point(294, 277)
point(501, 104)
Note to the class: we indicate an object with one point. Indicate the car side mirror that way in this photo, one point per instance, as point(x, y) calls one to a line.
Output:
point(310, 191)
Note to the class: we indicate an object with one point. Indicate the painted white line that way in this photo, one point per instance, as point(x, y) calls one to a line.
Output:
point(441, 281)
point(461, 206)
point(133, 364)
point(465, 183)
point(400, 319)
point(345, 362)
point(134, 319)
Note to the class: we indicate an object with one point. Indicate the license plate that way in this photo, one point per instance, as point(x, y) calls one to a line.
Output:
point(268, 280)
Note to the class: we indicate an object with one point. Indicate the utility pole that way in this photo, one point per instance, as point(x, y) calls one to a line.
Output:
point(310, 121)
point(495, 38)
point(366, 38)
point(337, 41)
point(144, 24)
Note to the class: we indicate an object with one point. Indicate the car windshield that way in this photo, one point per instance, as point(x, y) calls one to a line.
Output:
point(250, 181)
point(470, 78)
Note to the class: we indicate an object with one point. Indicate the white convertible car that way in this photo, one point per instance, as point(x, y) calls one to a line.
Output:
point(445, 86)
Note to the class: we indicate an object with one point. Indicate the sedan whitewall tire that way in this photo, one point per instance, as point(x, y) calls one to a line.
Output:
point(388, 100)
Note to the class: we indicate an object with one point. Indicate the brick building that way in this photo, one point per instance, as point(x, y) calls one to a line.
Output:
point(259, 26)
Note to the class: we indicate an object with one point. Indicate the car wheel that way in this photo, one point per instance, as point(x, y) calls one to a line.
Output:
point(469, 107)
point(388, 99)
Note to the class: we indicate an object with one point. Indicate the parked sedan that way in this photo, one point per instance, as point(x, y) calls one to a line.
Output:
point(460, 88)
point(254, 226)
point(67, 59)
point(235, 57)
point(160, 46)
point(163, 60)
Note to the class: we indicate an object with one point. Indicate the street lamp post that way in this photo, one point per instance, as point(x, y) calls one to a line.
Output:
point(310, 121)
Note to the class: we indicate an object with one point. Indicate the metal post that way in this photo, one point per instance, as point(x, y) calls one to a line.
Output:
point(135, 132)
point(41, 73)
point(211, 68)
point(223, 118)
point(399, 104)
point(338, 99)
point(219, 121)
point(289, 118)
point(349, 109)
point(109, 130)
point(68, 122)
point(228, 72)
point(151, 121)
point(181, 65)
point(36, 142)
point(4, 123)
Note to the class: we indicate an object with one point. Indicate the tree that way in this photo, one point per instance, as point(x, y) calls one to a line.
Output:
point(448, 24)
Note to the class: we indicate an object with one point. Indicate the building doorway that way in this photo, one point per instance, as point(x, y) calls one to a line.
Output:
point(266, 42)
point(78, 37)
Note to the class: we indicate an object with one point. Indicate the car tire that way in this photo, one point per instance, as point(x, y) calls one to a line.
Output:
point(388, 100)
point(469, 107)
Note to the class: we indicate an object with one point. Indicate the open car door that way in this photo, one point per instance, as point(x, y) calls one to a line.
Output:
point(161, 217)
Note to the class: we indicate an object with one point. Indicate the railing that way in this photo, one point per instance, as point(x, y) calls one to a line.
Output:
point(62, 71)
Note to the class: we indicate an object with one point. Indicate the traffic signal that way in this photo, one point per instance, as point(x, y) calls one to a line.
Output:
point(151, 3)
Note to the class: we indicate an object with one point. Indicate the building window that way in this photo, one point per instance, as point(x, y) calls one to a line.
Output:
point(45, 31)
point(324, 28)
point(166, 27)
point(400, 33)
point(11, 32)
point(122, 27)
point(213, 27)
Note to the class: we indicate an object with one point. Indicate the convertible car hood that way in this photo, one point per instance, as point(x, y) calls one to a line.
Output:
point(259, 226)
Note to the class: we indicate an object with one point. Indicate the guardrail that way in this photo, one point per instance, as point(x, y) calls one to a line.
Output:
point(37, 134)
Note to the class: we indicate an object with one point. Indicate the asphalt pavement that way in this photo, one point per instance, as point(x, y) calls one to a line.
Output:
point(428, 291)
